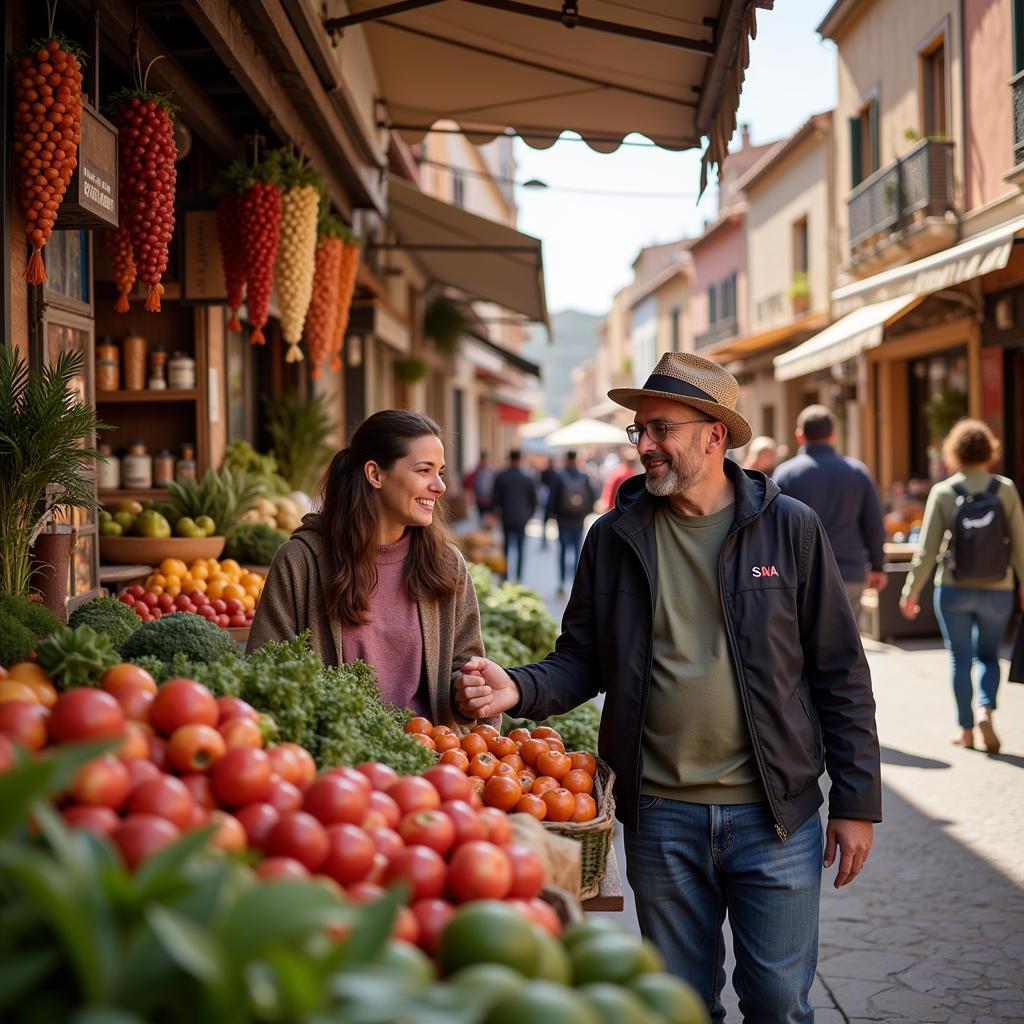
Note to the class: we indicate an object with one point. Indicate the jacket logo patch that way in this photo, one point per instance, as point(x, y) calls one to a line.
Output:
point(764, 570)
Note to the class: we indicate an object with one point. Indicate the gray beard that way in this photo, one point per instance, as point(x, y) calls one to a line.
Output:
point(682, 473)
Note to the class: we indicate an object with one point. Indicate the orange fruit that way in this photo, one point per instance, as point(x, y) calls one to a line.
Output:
point(473, 743)
point(12, 689)
point(501, 792)
point(578, 781)
point(561, 804)
point(501, 746)
point(514, 760)
point(214, 589)
point(542, 784)
point(506, 771)
point(554, 744)
point(586, 808)
point(526, 780)
point(456, 756)
point(447, 741)
point(543, 732)
point(233, 590)
point(532, 749)
point(46, 692)
point(484, 765)
point(530, 803)
point(419, 724)
point(25, 671)
point(485, 730)
point(519, 735)
point(420, 737)
point(554, 763)
point(584, 761)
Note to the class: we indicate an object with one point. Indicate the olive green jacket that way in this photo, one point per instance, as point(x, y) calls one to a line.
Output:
point(293, 601)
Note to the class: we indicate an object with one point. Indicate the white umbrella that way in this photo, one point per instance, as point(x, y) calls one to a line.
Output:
point(584, 432)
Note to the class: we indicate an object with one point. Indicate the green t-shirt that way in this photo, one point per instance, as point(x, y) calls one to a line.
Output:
point(696, 745)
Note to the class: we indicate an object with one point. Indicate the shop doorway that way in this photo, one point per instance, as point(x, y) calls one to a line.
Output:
point(938, 398)
point(1014, 454)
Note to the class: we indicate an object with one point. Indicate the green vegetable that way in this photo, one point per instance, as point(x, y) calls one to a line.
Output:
point(17, 641)
point(223, 494)
point(185, 633)
point(515, 610)
point(107, 615)
point(76, 657)
point(22, 624)
point(578, 728)
point(300, 430)
point(506, 650)
point(254, 543)
point(243, 458)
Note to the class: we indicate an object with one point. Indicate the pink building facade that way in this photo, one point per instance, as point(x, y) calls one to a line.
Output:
point(718, 302)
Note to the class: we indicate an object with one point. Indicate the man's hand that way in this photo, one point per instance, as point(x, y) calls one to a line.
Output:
point(484, 689)
point(878, 581)
point(909, 607)
point(853, 837)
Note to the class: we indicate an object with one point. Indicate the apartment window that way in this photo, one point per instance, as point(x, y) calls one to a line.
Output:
point(864, 149)
point(458, 188)
point(933, 90)
point(728, 300)
point(674, 328)
point(800, 256)
point(1018, 36)
point(712, 305)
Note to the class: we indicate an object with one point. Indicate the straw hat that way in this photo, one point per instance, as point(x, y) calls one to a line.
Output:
point(684, 377)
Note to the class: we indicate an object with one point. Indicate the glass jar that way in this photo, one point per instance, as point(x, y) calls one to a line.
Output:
point(163, 469)
point(158, 368)
point(186, 468)
point(108, 474)
point(134, 359)
point(137, 467)
point(181, 371)
point(108, 365)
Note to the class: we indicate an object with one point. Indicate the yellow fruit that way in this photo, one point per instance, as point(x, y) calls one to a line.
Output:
point(155, 588)
point(26, 672)
point(233, 590)
point(200, 571)
point(248, 602)
point(45, 692)
point(198, 584)
point(230, 565)
point(174, 591)
point(173, 566)
point(11, 689)
point(215, 589)
point(158, 578)
point(249, 579)
point(173, 580)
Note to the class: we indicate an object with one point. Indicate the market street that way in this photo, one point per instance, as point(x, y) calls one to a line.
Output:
point(930, 931)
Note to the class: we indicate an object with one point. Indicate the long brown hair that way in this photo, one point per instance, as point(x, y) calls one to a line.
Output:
point(350, 517)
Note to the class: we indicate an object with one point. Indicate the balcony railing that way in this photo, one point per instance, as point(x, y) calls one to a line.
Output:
point(920, 181)
point(1017, 85)
point(722, 329)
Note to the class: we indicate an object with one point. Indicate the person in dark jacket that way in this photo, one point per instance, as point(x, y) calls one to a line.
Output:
point(570, 501)
point(710, 611)
point(515, 500)
point(842, 492)
point(547, 478)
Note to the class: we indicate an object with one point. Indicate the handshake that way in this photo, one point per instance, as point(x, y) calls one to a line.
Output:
point(484, 689)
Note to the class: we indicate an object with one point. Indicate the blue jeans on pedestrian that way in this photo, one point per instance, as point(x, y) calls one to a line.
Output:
point(570, 537)
point(973, 623)
point(515, 537)
point(689, 864)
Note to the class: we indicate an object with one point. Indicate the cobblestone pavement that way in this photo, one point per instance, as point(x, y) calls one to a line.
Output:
point(933, 929)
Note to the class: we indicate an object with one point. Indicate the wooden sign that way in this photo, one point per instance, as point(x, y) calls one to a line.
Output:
point(203, 273)
point(91, 198)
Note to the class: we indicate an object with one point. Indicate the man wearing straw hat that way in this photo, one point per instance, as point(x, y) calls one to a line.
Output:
point(710, 611)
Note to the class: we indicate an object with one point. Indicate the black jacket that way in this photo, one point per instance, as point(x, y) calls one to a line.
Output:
point(554, 508)
point(514, 497)
point(800, 667)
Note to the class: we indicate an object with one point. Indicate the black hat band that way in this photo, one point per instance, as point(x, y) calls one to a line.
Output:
point(683, 388)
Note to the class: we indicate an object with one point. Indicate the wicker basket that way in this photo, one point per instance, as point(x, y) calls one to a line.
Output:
point(595, 836)
point(568, 909)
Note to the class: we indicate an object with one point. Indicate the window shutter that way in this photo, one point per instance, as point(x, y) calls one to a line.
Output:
point(712, 306)
point(875, 148)
point(856, 157)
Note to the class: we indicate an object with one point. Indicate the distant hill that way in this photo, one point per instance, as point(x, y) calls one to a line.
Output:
point(574, 340)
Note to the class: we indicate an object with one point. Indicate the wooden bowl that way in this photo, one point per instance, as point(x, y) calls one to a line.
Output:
point(153, 550)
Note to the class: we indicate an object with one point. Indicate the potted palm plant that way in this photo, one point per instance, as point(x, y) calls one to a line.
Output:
point(45, 430)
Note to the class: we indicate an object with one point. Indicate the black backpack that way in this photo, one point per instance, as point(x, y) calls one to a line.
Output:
point(576, 500)
point(979, 547)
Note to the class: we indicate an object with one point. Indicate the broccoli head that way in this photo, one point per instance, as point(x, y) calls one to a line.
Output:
point(17, 641)
point(184, 633)
point(34, 615)
point(107, 615)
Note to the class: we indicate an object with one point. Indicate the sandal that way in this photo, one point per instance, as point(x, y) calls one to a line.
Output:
point(988, 734)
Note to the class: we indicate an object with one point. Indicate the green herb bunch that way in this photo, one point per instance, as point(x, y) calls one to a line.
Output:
point(223, 494)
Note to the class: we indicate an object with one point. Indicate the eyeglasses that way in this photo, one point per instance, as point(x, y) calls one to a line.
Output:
point(657, 430)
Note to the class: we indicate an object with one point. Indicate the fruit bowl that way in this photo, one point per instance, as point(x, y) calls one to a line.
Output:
point(153, 550)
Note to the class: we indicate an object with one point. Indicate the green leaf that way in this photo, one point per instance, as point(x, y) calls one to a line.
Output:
point(162, 871)
point(20, 974)
point(105, 1015)
point(371, 931)
point(191, 947)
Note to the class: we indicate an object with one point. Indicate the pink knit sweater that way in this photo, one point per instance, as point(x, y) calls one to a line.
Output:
point(392, 641)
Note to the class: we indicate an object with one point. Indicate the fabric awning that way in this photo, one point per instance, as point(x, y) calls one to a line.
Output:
point(482, 258)
point(854, 333)
point(671, 71)
point(978, 255)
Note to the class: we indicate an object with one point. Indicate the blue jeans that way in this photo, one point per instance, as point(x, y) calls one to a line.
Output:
point(515, 537)
point(570, 537)
point(973, 623)
point(690, 863)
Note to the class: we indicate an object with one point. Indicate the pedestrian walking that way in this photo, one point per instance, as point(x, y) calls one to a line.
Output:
point(629, 465)
point(375, 575)
point(548, 476)
point(710, 611)
point(762, 455)
point(570, 501)
point(514, 502)
point(479, 482)
point(972, 538)
point(842, 492)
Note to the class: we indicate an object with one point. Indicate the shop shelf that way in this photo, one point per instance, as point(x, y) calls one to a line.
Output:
point(141, 494)
point(156, 395)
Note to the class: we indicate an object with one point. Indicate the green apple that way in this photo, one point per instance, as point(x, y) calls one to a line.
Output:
point(152, 524)
point(105, 516)
point(108, 528)
point(186, 526)
point(207, 525)
point(124, 519)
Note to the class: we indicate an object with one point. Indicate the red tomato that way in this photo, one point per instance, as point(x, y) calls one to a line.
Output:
point(230, 834)
point(195, 748)
point(357, 778)
point(182, 702)
point(235, 707)
point(428, 828)
point(467, 822)
point(480, 871)
point(545, 915)
point(365, 892)
point(198, 598)
point(135, 702)
point(373, 819)
point(350, 854)
point(284, 796)
point(241, 732)
point(499, 829)
point(423, 870)
point(414, 793)
point(24, 723)
point(406, 928)
point(223, 621)
point(305, 773)
point(432, 916)
point(285, 764)
point(419, 725)
point(85, 713)
point(386, 841)
point(527, 872)
point(100, 821)
point(127, 675)
point(202, 792)
point(140, 770)
point(136, 741)
point(149, 599)
point(200, 817)
point(386, 806)
point(241, 776)
point(219, 606)
point(165, 797)
point(334, 800)
point(139, 836)
point(136, 590)
point(164, 602)
point(301, 836)
point(281, 867)
point(380, 865)
point(158, 752)
point(233, 606)
point(258, 819)
point(104, 781)
point(7, 757)
point(450, 783)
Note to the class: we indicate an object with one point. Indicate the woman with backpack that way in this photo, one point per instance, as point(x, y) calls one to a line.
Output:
point(979, 517)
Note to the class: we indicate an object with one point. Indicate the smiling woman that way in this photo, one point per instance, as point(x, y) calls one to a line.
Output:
point(374, 575)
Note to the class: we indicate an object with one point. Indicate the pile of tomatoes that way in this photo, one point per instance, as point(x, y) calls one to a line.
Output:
point(526, 772)
point(187, 760)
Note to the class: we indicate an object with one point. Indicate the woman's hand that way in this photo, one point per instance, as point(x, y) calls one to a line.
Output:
point(484, 689)
point(910, 607)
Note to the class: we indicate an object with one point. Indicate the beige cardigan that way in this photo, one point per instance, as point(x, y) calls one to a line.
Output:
point(292, 601)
